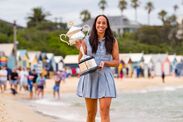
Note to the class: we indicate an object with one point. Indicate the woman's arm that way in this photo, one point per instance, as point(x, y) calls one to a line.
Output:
point(83, 44)
point(115, 56)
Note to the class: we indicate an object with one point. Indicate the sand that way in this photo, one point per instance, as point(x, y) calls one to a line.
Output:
point(12, 109)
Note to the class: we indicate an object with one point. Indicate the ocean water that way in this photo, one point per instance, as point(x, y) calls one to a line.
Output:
point(148, 105)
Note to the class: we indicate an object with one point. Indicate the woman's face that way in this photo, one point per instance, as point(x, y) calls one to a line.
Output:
point(101, 25)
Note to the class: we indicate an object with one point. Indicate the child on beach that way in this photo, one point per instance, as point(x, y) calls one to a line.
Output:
point(41, 81)
point(3, 78)
point(56, 87)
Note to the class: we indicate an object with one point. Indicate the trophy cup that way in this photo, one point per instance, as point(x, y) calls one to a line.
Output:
point(87, 63)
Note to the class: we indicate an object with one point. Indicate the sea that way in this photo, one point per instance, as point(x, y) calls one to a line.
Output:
point(147, 105)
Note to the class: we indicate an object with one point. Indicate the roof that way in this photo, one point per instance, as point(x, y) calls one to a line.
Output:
point(21, 54)
point(71, 59)
point(179, 58)
point(172, 58)
point(136, 57)
point(32, 55)
point(147, 58)
point(124, 57)
point(49, 55)
point(159, 57)
point(58, 58)
point(7, 48)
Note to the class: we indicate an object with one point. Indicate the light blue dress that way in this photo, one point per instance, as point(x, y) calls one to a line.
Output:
point(100, 83)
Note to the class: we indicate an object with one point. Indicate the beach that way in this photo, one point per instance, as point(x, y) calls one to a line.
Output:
point(15, 108)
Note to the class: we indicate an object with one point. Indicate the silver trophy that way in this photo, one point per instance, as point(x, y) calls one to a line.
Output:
point(87, 63)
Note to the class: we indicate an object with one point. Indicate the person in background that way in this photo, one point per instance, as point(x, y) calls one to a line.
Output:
point(99, 85)
point(23, 75)
point(3, 78)
point(40, 81)
point(30, 83)
point(14, 79)
point(163, 77)
point(56, 87)
point(35, 76)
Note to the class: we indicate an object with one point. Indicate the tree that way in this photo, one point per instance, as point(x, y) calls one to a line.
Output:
point(122, 5)
point(175, 7)
point(85, 15)
point(37, 17)
point(162, 14)
point(135, 4)
point(102, 5)
point(149, 7)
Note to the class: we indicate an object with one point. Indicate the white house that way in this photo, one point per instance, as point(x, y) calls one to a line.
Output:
point(59, 64)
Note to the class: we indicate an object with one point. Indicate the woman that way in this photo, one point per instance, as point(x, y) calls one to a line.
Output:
point(99, 85)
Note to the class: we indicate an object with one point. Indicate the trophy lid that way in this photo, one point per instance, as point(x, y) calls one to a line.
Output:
point(73, 30)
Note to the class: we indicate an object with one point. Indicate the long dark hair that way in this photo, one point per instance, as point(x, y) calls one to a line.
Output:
point(109, 38)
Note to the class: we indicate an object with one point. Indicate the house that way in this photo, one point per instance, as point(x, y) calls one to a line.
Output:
point(71, 61)
point(137, 60)
point(147, 64)
point(50, 61)
point(119, 24)
point(22, 58)
point(173, 61)
point(33, 59)
point(71, 64)
point(59, 64)
point(7, 50)
point(161, 63)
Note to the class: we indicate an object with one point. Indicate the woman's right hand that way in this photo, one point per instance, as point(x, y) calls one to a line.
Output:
point(78, 44)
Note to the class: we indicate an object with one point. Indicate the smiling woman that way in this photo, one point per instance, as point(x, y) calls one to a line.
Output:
point(99, 85)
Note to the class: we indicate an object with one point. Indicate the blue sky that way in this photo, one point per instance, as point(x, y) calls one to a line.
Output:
point(69, 10)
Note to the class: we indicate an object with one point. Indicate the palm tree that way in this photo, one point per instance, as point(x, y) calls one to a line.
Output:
point(175, 7)
point(102, 5)
point(135, 4)
point(162, 14)
point(37, 16)
point(85, 15)
point(122, 5)
point(149, 7)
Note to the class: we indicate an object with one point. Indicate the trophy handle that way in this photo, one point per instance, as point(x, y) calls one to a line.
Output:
point(86, 28)
point(61, 35)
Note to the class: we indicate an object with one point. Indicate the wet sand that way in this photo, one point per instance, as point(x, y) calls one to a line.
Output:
point(12, 109)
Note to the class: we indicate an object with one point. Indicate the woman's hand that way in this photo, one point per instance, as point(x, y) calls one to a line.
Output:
point(78, 44)
point(101, 65)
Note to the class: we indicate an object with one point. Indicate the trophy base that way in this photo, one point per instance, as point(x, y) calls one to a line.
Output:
point(89, 71)
point(87, 65)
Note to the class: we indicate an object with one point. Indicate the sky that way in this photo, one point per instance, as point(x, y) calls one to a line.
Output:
point(69, 10)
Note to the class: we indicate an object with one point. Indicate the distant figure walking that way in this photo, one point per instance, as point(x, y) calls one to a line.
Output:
point(163, 77)
point(56, 88)
point(41, 81)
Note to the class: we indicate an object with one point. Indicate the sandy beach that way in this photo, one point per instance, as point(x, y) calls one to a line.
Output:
point(12, 110)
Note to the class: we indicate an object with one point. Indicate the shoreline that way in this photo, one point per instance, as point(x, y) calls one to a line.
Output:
point(10, 103)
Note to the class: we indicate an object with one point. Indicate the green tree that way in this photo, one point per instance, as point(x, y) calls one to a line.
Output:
point(162, 15)
point(102, 5)
point(37, 16)
point(85, 15)
point(135, 4)
point(122, 5)
point(149, 7)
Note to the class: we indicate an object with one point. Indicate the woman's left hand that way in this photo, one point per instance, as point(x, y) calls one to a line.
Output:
point(101, 65)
